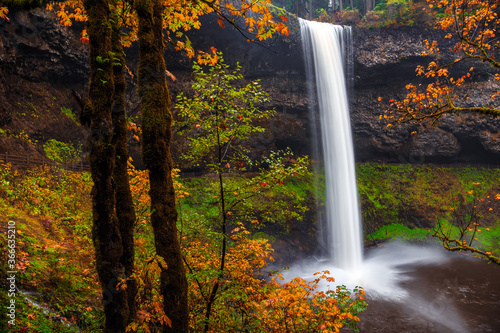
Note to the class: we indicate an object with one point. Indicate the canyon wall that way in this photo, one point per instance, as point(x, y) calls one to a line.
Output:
point(40, 61)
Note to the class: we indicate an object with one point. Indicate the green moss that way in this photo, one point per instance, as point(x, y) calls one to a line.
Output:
point(399, 231)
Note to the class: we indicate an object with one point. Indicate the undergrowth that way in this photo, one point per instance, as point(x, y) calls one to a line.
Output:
point(52, 213)
point(407, 202)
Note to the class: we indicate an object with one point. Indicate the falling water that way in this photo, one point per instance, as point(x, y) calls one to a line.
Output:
point(327, 49)
point(325, 46)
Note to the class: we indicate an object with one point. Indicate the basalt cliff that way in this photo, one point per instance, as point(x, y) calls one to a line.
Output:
point(41, 61)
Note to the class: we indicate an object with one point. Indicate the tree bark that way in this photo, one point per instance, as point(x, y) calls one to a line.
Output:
point(124, 204)
point(156, 136)
point(105, 231)
point(370, 5)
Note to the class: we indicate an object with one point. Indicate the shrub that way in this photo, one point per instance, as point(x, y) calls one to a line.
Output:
point(59, 151)
point(348, 17)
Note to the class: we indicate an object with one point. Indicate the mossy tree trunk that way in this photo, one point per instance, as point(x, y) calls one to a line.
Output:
point(156, 136)
point(106, 230)
point(124, 204)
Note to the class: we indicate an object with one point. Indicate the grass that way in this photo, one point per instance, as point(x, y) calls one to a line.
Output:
point(68, 112)
point(401, 232)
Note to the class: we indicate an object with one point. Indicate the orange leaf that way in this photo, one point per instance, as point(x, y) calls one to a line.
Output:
point(220, 22)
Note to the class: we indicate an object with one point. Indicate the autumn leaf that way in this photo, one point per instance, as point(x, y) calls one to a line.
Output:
point(143, 315)
point(220, 22)
point(170, 75)
point(3, 13)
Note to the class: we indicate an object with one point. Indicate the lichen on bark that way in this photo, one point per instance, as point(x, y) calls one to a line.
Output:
point(156, 136)
point(124, 203)
point(106, 230)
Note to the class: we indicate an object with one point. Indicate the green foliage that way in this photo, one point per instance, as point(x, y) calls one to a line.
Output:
point(413, 202)
point(489, 238)
point(68, 112)
point(399, 231)
point(277, 195)
point(220, 116)
point(60, 152)
point(379, 202)
point(386, 13)
point(32, 318)
point(54, 257)
point(23, 136)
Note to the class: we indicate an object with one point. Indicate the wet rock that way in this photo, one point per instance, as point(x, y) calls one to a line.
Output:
point(385, 61)
point(35, 46)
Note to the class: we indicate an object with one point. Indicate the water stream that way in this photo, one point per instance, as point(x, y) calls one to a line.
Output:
point(325, 47)
point(385, 271)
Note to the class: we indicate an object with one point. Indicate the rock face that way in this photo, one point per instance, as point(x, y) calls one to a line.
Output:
point(40, 60)
point(384, 62)
point(36, 47)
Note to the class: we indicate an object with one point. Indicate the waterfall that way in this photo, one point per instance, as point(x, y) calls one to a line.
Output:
point(327, 52)
point(326, 49)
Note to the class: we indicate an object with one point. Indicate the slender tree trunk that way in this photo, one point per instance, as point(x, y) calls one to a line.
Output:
point(156, 136)
point(105, 232)
point(368, 4)
point(124, 203)
point(223, 216)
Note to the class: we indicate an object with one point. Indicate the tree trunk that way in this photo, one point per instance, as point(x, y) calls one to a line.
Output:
point(105, 232)
point(368, 5)
point(223, 217)
point(156, 136)
point(124, 203)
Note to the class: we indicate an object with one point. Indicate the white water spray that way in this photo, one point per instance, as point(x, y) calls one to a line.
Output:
point(327, 43)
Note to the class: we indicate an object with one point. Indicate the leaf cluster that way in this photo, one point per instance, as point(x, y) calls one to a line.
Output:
point(475, 25)
point(249, 298)
point(181, 16)
point(221, 116)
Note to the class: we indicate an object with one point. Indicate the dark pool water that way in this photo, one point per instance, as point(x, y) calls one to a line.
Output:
point(460, 295)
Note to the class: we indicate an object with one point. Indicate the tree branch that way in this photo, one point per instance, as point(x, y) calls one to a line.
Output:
point(461, 246)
